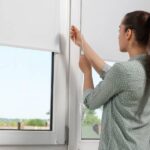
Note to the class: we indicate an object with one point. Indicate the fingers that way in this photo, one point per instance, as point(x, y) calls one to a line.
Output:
point(74, 28)
point(75, 35)
point(72, 36)
point(72, 33)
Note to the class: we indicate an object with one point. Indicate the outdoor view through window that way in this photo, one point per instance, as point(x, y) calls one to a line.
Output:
point(25, 85)
point(91, 119)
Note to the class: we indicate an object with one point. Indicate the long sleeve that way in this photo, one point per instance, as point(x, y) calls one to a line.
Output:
point(113, 84)
point(103, 72)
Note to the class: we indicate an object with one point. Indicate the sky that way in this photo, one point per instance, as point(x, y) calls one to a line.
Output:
point(25, 82)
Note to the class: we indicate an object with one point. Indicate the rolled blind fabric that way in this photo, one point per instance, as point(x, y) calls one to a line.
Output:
point(30, 24)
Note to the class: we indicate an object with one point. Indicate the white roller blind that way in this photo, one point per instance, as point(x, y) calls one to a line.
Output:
point(100, 24)
point(30, 24)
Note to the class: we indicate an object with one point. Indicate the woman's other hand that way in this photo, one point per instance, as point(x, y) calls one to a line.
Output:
point(84, 65)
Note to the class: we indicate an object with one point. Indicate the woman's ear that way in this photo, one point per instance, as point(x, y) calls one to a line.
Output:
point(128, 34)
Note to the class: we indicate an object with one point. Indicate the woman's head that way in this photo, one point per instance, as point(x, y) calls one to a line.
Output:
point(135, 30)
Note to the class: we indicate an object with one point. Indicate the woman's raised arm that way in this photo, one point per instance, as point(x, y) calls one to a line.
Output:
point(96, 61)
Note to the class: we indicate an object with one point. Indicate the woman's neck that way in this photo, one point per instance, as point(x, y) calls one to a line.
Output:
point(136, 51)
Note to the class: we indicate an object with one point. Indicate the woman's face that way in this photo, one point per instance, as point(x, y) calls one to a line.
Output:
point(123, 42)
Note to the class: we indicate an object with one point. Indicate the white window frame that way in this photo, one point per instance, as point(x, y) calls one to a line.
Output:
point(60, 96)
point(75, 93)
point(76, 85)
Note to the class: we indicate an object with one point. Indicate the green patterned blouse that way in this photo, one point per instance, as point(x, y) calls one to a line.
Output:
point(124, 93)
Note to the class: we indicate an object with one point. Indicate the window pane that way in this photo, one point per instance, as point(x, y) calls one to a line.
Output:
point(25, 89)
point(91, 121)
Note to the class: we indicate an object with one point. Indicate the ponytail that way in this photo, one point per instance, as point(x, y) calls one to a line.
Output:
point(148, 22)
point(148, 57)
point(147, 66)
point(148, 29)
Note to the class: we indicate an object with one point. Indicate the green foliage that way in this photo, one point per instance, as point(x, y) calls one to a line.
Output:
point(90, 117)
point(2, 124)
point(12, 124)
point(88, 111)
point(35, 122)
point(8, 123)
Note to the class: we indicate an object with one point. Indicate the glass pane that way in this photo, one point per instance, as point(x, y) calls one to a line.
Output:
point(25, 85)
point(91, 120)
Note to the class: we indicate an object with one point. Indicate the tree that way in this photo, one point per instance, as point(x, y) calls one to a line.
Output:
point(90, 117)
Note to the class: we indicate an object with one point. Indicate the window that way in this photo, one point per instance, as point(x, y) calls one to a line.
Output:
point(29, 97)
point(91, 119)
point(38, 30)
point(25, 89)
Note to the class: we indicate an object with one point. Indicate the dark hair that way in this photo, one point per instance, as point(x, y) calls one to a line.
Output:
point(139, 21)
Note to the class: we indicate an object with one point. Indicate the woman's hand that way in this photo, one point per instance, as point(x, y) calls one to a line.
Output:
point(76, 36)
point(84, 65)
point(86, 68)
point(93, 58)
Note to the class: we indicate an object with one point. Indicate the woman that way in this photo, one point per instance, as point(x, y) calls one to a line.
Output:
point(125, 89)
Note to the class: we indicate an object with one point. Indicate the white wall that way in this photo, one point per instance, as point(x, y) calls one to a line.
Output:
point(100, 24)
